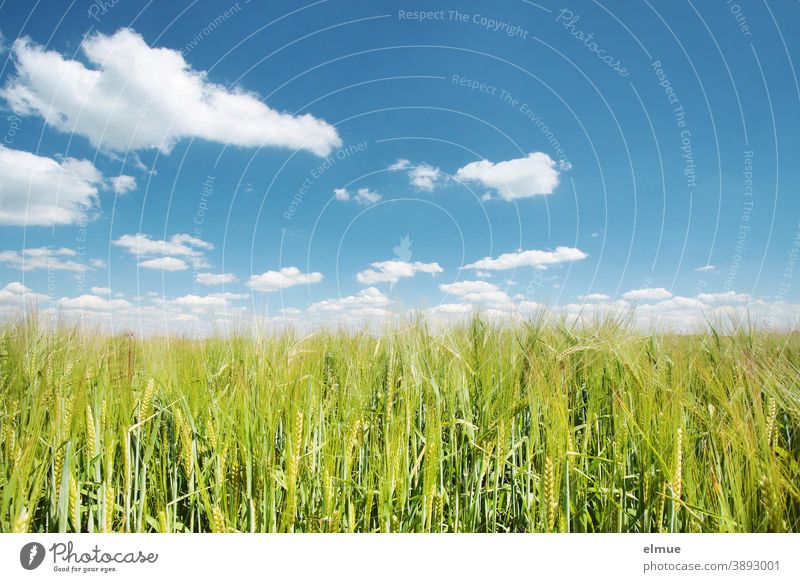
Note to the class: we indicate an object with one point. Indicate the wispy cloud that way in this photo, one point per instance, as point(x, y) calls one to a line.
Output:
point(30, 259)
point(532, 258)
point(393, 270)
point(647, 294)
point(363, 196)
point(422, 176)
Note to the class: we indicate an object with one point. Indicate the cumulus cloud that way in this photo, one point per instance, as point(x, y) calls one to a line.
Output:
point(369, 300)
point(215, 278)
point(30, 259)
point(42, 191)
point(532, 258)
point(422, 176)
point(594, 297)
point(363, 196)
point(132, 96)
point(475, 292)
point(391, 271)
point(166, 255)
point(164, 264)
point(123, 184)
point(178, 244)
point(93, 302)
point(101, 290)
point(533, 175)
point(17, 294)
point(647, 294)
point(212, 300)
point(726, 297)
point(286, 277)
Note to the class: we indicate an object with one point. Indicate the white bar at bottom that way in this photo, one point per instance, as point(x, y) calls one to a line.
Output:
point(354, 557)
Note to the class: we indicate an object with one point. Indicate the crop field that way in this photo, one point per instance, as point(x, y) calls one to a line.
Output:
point(480, 427)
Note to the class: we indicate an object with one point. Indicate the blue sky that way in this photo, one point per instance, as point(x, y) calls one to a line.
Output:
point(166, 166)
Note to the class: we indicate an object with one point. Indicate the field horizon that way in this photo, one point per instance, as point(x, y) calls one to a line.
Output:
point(481, 426)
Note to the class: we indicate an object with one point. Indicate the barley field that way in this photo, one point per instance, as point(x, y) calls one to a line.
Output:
point(481, 427)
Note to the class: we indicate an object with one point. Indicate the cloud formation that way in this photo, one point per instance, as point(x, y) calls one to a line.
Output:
point(475, 292)
point(391, 271)
point(42, 191)
point(422, 176)
point(164, 264)
point(174, 254)
point(647, 294)
point(533, 175)
point(363, 196)
point(215, 278)
point(30, 259)
point(286, 277)
point(133, 96)
point(532, 258)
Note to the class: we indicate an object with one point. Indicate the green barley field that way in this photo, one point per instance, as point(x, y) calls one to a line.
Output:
point(481, 427)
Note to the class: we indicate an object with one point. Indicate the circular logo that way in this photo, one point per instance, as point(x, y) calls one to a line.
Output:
point(31, 555)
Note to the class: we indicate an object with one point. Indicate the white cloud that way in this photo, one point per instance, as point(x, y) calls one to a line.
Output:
point(101, 290)
point(135, 96)
point(704, 268)
point(647, 294)
point(476, 292)
point(41, 191)
point(123, 184)
point(533, 175)
point(422, 176)
point(18, 294)
point(211, 300)
point(286, 277)
point(392, 270)
point(363, 196)
point(726, 297)
point(365, 301)
point(594, 297)
point(166, 255)
point(92, 302)
point(533, 258)
point(215, 278)
point(42, 258)
point(178, 244)
point(164, 264)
